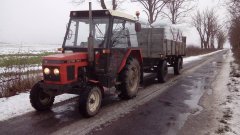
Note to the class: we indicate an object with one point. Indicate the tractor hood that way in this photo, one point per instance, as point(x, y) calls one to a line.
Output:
point(67, 56)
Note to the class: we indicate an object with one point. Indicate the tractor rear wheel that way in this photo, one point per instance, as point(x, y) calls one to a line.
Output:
point(90, 101)
point(40, 100)
point(130, 79)
point(162, 71)
point(177, 66)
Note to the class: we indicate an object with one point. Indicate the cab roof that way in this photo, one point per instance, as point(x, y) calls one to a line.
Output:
point(102, 13)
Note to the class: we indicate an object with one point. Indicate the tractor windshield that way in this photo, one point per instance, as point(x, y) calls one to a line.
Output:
point(78, 32)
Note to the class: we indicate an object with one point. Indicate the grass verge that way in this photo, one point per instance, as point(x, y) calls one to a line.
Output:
point(21, 59)
point(194, 51)
point(19, 72)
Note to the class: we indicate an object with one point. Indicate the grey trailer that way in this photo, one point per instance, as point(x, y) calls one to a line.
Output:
point(162, 48)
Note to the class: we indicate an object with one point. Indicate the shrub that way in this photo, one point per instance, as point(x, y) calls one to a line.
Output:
point(193, 50)
point(19, 72)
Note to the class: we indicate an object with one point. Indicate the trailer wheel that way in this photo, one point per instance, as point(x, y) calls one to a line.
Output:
point(162, 71)
point(90, 101)
point(40, 100)
point(181, 65)
point(177, 66)
point(130, 79)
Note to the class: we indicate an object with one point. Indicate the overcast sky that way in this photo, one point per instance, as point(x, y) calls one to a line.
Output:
point(44, 21)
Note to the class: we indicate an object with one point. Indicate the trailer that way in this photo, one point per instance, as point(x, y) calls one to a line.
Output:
point(104, 49)
point(162, 47)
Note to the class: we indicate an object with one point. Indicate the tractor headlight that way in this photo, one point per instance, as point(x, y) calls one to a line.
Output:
point(46, 71)
point(56, 71)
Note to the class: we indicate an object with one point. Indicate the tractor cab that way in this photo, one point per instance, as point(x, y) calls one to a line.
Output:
point(113, 33)
point(110, 29)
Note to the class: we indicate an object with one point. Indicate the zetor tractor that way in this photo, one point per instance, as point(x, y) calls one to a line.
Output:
point(99, 51)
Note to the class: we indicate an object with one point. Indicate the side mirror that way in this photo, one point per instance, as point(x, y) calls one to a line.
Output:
point(138, 27)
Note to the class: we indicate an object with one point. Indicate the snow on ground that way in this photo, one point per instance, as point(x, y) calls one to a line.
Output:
point(33, 67)
point(227, 92)
point(20, 104)
point(194, 58)
point(34, 49)
point(231, 107)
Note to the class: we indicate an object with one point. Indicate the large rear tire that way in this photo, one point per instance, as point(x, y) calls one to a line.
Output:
point(90, 101)
point(130, 79)
point(40, 100)
point(162, 71)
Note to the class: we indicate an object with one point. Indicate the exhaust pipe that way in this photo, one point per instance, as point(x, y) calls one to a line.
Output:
point(90, 38)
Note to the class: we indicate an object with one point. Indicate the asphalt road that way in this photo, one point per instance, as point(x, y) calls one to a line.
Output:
point(158, 108)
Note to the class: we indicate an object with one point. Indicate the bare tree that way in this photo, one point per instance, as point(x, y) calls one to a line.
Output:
point(210, 22)
point(234, 8)
point(103, 5)
point(116, 3)
point(207, 25)
point(178, 9)
point(152, 8)
point(221, 38)
point(212, 25)
point(197, 22)
point(234, 33)
point(216, 27)
point(234, 30)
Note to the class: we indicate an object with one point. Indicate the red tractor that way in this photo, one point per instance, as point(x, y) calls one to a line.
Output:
point(101, 49)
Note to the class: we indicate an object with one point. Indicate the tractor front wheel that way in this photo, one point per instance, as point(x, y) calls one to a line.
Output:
point(40, 100)
point(90, 101)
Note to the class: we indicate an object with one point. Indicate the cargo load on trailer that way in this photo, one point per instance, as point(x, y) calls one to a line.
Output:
point(164, 40)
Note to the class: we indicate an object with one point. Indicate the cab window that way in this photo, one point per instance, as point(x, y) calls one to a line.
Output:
point(123, 34)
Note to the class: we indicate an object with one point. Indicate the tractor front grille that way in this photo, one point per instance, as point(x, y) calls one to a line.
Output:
point(70, 73)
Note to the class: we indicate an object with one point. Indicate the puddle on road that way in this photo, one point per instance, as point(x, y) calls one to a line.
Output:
point(195, 93)
point(182, 118)
point(210, 92)
point(61, 109)
point(214, 63)
point(195, 88)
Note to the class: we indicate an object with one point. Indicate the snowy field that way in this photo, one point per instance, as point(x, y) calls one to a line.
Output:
point(14, 69)
point(33, 48)
point(20, 104)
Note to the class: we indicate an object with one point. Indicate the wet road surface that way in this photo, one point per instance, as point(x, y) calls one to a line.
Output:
point(158, 108)
point(167, 113)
